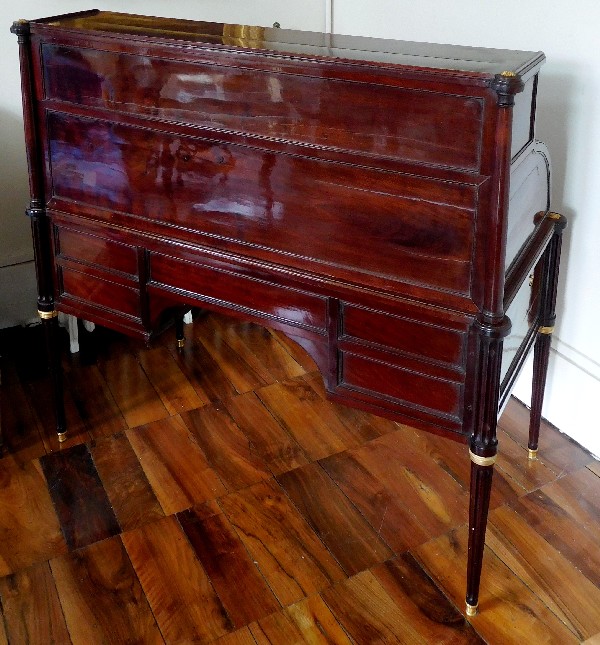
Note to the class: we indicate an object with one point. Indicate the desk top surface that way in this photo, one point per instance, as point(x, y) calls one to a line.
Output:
point(475, 61)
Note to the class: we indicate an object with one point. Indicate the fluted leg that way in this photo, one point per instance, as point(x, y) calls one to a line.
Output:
point(541, 356)
point(50, 326)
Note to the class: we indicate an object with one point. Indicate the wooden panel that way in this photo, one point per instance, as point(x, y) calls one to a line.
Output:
point(93, 249)
point(379, 378)
point(99, 292)
point(32, 610)
point(101, 596)
point(405, 334)
point(257, 199)
point(334, 519)
point(82, 506)
point(292, 559)
point(29, 529)
point(257, 297)
point(180, 594)
point(226, 447)
point(380, 120)
point(239, 584)
point(125, 482)
point(174, 464)
point(509, 611)
point(307, 621)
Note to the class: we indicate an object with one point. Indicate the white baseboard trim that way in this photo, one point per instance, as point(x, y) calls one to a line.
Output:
point(572, 395)
point(18, 295)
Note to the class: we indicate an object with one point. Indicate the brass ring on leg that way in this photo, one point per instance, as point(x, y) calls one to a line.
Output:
point(532, 454)
point(62, 436)
point(471, 609)
point(180, 342)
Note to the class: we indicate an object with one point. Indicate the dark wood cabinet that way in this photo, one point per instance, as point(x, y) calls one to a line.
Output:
point(383, 203)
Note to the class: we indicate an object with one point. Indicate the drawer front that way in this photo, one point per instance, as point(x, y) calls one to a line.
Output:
point(415, 337)
point(97, 251)
point(232, 290)
point(257, 201)
point(376, 119)
point(394, 383)
point(98, 292)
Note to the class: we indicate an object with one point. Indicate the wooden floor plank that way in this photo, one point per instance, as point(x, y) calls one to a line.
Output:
point(594, 466)
point(509, 611)
point(244, 371)
point(32, 610)
point(175, 391)
point(238, 583)
point(94, 401)
point(180, 594)
point(307, 621)
point(334, 519)
point(138, 401)
point(430, 613)
point(29, 528)
point(294, 350)
point(393, 485)
point(279, 450)
point(562, 515)
point(174, 464)
point(292, 559)
point(566, 591)
point(81, 503)
point(241, 637)
point(203, 372)
point(369, 614)
point(304, 415)
point(226, 447)
point(125, 482)
point(102, 598)
point(21, 428)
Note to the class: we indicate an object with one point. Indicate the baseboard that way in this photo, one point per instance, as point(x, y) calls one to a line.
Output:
point(572, 394)
point(18, 295)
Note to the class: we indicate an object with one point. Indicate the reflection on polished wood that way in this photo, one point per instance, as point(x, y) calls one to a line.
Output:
point(380, 202)
point(345, 549)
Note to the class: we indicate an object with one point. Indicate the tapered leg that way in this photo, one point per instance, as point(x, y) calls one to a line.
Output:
point(541, 356)
point(50, 326)
point(483, 448)
point(179, 335)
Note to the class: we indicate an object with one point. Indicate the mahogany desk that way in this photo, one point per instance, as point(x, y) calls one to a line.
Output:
point(383, 203)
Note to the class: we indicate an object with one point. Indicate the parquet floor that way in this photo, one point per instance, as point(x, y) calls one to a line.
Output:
point(215, 496)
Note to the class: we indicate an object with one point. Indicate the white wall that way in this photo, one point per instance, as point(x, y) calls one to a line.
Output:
point(569, 122)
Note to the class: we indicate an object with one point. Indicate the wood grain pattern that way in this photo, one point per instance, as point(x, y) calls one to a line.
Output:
point(226, 447)
point(279, 450)
point(94, 401)
point(137, 399)
point(31, 607)
point(298, 408)
point(292, 559)
point(307, 621)
point(509, 612)
point(125, 482)
point(241, 637)
point(238, 583)
point(174, 464)
point(594, 466)
point(175, 391)
point(29, 529)
point(83, 509)
point(566, 591)
point(294, 350)
point(101, 596)
point(334, 519)
point(185, 605)
point(368, 613)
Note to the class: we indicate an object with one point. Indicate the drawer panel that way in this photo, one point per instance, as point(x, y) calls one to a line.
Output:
point(99, 293)
point(405, 335)
point(96, 250)
point(372, 118)
point(400, 385)
point(226, 288)
point(257, 200)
